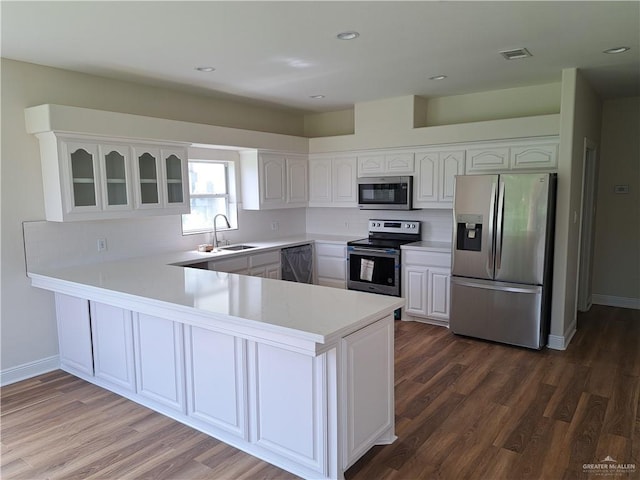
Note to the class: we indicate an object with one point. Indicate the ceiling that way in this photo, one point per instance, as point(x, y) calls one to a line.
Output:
point(283, 53)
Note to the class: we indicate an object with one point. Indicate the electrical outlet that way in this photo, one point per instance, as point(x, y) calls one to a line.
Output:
point(275, 226)
point(102, 244)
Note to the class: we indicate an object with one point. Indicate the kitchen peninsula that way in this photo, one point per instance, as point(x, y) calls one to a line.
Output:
point(298, 375)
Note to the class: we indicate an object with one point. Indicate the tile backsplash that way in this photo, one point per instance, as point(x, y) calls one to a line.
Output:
point(436, 225)
point(54, 245)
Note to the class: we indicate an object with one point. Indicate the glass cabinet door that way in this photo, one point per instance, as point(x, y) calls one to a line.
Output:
point(174, 170)
point(148, 178)
point(84, 190)
point(115, 168)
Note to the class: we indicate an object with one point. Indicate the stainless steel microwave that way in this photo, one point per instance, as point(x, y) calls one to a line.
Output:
point(385, 193)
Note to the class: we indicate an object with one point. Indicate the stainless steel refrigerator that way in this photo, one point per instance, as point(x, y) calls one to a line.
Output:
point(502, 257)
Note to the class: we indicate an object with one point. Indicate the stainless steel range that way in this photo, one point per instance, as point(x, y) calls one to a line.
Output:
point(373, 263)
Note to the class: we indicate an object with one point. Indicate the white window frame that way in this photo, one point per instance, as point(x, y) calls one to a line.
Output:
point(231, 204)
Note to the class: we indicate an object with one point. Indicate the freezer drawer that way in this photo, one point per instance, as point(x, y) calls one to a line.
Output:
point(498, 311)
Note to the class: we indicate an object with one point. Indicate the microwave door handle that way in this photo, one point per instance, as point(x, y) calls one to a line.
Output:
point(492, 208)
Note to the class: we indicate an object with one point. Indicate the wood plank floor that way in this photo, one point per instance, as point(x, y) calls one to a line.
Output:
point(464, 409)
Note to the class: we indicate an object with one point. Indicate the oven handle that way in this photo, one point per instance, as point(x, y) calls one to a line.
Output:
point(388, 251)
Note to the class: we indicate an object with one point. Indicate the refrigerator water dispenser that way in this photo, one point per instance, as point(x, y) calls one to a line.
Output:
point(469, 232)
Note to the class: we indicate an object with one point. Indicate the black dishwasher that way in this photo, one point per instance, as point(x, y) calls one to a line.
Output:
point(297, 263)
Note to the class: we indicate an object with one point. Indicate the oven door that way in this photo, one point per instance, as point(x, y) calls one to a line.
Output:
point(374, 270)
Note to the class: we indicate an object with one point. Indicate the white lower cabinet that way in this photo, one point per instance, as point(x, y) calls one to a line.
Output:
point(370, 406)
point(216, 379)
point(425, 285)
point(266, 265)
point(159, 360)
point(112, 337)
point(74, 334)
point(331, 264)
point(314, 414)
point(438, 293)
point(287, 398)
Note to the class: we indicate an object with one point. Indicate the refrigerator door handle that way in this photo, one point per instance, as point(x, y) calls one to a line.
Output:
point(499, 227)
point(492, 208)
point(531, 289)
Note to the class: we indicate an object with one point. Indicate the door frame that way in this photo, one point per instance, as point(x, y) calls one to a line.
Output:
point(587, 225)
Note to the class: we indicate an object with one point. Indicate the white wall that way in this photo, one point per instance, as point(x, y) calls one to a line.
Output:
point(616, 269)
point(580, 117)
point(27, 321)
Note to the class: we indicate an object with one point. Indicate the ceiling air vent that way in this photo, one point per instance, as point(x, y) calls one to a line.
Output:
point(515, 53)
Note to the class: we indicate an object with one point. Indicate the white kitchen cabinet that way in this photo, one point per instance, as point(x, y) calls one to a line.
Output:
point(112, 338)
point(216, 379)
point(331, 264)
point(287, 400)
point(115, 170)
point(236, 264)
point(159, 361)
point(534, 156)
point(435, 177)
point(297, 180)
point(369, 413)
point(526, 155)
point(266, 265)
point(489, 159)
point(415, 281)
point(89, 178)
point(161, 179)
point(387, 163)
point(425, 285)
point(438, 293)
point(273, 180)
point(333, 181)
point(74, 335)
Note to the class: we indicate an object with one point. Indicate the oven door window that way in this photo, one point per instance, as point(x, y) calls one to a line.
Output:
point(372, 269)
point(382, 193)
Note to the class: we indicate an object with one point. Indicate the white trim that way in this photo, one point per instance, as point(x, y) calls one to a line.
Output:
point(613, 301)
point(29, 370)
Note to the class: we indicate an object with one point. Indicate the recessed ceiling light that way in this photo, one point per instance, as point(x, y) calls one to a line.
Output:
point(348, 35)
point(317, 97)
point(205, 69)
point(616, 50)
point(438, 77)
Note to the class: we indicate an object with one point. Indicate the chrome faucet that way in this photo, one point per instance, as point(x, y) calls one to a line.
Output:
point(215, 230)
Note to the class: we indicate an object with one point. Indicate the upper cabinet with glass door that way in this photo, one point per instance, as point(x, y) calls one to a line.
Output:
point(161, 178)
point(87, 178)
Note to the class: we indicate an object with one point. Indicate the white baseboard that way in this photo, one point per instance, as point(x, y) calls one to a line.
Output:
point(28, 370)
point(613, 301)
point(561, 342)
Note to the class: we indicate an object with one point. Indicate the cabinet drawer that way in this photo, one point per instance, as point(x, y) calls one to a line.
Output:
point(330, 250)
point(428, 259)
point(265, 258)
point(230, 264)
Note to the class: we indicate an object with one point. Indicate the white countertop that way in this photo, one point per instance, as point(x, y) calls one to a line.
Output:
point(237, 303)
point(443, 247)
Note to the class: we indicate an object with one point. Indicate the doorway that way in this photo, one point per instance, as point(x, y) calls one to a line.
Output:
point(587, 224)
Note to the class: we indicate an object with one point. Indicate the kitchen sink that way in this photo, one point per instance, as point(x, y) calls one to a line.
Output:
point(237, 247)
